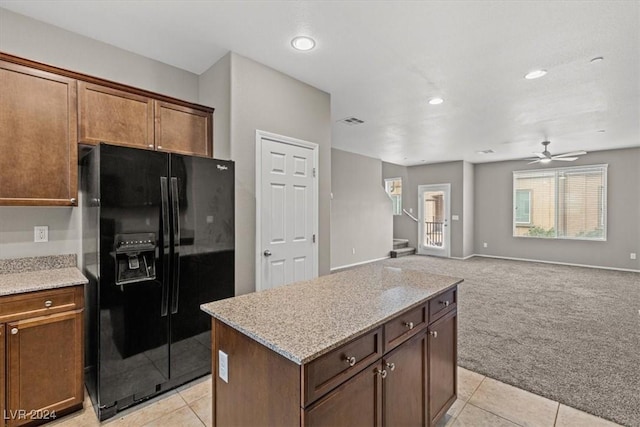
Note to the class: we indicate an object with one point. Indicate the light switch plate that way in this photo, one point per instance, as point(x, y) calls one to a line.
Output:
point(223, 366)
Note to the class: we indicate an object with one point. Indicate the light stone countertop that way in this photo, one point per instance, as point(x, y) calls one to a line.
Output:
point(304, 320)
point(16, 283)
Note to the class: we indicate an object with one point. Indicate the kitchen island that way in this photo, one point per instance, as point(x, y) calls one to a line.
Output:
point(370, 346)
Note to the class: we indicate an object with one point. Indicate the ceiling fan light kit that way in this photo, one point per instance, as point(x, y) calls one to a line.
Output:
point(546, 157)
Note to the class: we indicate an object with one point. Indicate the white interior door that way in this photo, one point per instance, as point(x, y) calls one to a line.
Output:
point(287, 211)
point(434, 232)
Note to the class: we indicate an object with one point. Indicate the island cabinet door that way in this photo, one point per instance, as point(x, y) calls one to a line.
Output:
point(2, 375)
point(442, 372)
point(404, 386)
point(357, 402)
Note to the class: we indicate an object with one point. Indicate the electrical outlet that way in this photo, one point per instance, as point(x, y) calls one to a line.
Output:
point(485, 244)
point(223, 366)
point(353, 251)
point(632, 255)
point(41, 233)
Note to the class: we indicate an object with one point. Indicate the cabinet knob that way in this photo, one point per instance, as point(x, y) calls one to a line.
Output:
point(445, 303)
point(150, 145)
point(48, 303)
point(408, 325)
point(159, 147)
point(433, 334)
point(350, 360)
point(391, 366)
point(382, 373)
point(73, 200)
point(14, 331)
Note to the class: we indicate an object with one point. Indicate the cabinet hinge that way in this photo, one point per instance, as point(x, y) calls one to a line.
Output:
point(314, 238)
point(314, 172)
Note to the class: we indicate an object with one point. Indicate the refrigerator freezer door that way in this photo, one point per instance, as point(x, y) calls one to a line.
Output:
point(205, 245)
point(133, 340)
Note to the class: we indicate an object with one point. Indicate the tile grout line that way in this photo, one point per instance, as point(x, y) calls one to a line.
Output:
point(477, 387)
point(499, 416)
point(555, 421)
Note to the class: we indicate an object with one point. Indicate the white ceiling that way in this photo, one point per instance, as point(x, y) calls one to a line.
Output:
point(381, 61)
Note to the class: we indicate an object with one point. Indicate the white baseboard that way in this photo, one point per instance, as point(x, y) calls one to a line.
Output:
point(556, 262)
point(463, 258)
point(358, 263)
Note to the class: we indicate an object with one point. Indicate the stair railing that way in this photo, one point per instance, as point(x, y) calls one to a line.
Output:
point(410, 216)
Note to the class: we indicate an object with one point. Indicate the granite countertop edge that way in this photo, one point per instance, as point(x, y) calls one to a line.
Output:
point(40, 280)
point(308, 358)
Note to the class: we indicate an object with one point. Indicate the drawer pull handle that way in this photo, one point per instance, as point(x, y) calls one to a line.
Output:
point(445, 303)
point(409, 325)
point(14, 331)
point(391, 366)
point(48, 303)
point(433, 334)
point(350, 360)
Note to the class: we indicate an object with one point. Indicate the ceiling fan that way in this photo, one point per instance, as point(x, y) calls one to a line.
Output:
point(546, 157)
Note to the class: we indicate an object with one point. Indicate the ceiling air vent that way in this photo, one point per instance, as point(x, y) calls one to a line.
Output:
point(351, 121)
point(489, 151)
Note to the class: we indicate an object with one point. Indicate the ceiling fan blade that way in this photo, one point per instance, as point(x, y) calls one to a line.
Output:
point(564, 159)
point(571, 154)
point(540, 155)
point(535, 161)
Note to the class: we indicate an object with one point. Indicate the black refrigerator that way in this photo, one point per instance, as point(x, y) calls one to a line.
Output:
point(158, 241)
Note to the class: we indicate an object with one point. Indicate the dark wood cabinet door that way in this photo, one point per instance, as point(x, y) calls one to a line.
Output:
point(183, 130)
point(442, 371)
point(357, 402)
point(44, 365)
point(38, 141)
point(2, 374)
point(114, 116)
point(404, 387)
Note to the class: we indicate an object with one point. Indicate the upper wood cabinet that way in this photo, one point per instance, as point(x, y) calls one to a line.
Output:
point(38, 137)
point(114, 116)
point(183, 130)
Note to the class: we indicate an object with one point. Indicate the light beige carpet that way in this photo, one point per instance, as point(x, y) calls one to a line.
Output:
point(571, 334)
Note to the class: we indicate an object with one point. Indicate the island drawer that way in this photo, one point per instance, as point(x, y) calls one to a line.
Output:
point(442, 304)
point(332, 369)
point(404, 326)
point(40, 303)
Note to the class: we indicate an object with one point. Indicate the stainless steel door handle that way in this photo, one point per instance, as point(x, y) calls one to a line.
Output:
point(267, 253)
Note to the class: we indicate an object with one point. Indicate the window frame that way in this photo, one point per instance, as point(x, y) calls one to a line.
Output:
point(556, 173)
point(391, 197)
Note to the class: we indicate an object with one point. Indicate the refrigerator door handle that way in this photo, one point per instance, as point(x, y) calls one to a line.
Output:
point(164, 191)
point(176, 245)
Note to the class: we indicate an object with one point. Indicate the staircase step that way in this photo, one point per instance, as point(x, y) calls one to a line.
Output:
point(397, 253)
point(400, 243)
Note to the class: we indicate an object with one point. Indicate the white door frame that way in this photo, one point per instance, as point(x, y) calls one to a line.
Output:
point(260, 135)
point(446, 251)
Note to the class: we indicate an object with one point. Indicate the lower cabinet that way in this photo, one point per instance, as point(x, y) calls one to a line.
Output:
point(404, 385)
point(357, 402)
point(41, 355)
point(442, 366)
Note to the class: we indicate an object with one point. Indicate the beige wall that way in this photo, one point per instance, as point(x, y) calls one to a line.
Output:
point(361, 211)
point(214, 89)
point(265, 99)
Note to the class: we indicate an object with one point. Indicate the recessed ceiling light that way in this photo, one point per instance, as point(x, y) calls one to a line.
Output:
point(535, 74)
point(303, 43)
point(436, 101)
point(597, 59)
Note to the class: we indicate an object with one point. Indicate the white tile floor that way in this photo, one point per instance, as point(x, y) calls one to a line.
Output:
point(481, 402)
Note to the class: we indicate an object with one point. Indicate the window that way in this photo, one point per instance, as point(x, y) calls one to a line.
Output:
point(562, 203)
point(523, 207)
point(393, 187)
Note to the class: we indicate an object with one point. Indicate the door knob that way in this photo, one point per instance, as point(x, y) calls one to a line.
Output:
point(267, 252)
